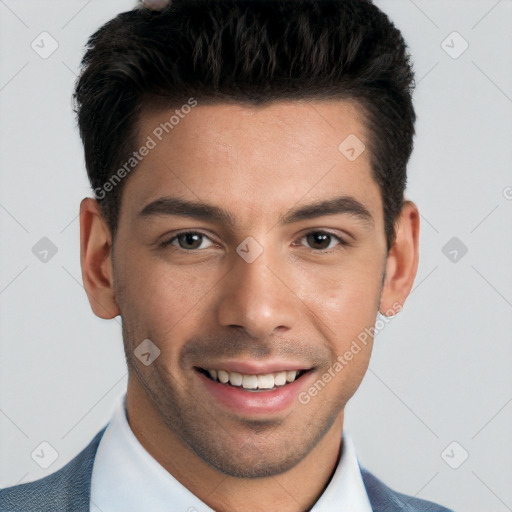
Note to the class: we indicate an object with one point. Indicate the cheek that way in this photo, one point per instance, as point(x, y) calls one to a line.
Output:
point(157, 299)
point(344, 311)
point(345, 303)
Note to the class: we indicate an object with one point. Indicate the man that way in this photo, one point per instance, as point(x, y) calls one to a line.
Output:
point(248, 160)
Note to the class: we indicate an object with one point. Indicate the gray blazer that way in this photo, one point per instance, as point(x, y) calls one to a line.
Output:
point(68, 490)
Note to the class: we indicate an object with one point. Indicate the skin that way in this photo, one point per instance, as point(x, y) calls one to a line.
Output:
point(204, 306)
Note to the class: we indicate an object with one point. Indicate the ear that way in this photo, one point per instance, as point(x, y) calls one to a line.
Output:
point(402, 261)
point(96, 260)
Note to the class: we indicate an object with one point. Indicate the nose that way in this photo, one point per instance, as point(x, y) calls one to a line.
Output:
point(257, 298)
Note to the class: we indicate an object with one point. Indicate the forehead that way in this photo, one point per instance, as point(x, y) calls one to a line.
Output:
point(253, 158)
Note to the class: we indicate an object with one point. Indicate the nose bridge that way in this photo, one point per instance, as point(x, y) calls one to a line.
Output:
point(254, 296)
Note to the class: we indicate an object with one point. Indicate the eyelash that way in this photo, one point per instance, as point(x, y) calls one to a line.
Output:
point(342, 242)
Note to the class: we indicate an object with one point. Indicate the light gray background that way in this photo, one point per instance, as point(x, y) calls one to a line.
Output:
point(441, 370)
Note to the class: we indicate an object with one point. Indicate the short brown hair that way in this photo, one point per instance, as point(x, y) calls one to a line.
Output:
point(247, 51)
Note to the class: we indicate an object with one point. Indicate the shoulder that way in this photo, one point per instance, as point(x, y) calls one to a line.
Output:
point(384, 499)
point(62, 490)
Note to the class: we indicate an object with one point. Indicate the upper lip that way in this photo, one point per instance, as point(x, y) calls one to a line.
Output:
point(255, 367)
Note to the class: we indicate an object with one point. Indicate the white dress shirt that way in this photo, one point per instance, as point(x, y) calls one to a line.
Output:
point(126, 478)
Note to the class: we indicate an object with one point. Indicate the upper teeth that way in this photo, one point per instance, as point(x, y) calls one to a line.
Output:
point(266, 381)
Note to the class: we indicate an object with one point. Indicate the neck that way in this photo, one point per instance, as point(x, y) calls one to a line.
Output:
point(296, 490)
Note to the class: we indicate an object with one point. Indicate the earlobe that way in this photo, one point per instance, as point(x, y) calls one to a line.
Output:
point(96, 260)
point(402, 261)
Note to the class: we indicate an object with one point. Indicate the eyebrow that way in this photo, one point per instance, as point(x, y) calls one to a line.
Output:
point(175, 206)
point(335, 206)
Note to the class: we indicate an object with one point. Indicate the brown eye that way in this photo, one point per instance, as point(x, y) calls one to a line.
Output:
point(318, 240)
point(189, 241)
point(321, 240)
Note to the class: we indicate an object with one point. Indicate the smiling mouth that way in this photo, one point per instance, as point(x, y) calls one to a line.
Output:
point(252, 382)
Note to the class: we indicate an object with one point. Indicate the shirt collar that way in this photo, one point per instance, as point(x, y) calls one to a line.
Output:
point(125, 477)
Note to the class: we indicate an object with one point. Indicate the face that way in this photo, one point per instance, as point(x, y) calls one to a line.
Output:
point(225, 261)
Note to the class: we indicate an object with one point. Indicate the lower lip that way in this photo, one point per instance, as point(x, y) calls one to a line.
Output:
point(260, 402)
